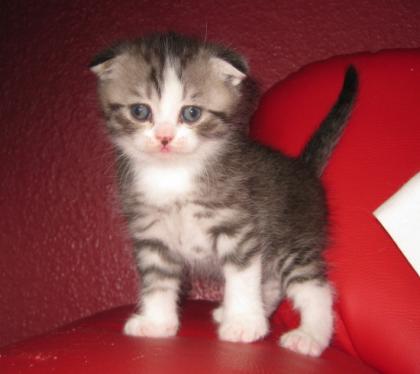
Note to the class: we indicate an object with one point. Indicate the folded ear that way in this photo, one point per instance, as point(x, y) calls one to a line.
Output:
point(227, 71)
point(103, 63)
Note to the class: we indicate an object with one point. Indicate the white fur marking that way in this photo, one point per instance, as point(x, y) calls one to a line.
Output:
point(158, 317)
point(314, 302)
point(171, 99)
point(242, 317)
point(162, 185)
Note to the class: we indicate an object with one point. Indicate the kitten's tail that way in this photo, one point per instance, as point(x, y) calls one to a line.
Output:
point(319, 148)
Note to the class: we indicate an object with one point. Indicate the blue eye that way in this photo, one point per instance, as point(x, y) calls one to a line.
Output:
point(191, 114)
point(140, 112)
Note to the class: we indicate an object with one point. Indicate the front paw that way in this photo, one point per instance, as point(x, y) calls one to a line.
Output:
point(141, 325)
point(242, 328)
point(301, 342)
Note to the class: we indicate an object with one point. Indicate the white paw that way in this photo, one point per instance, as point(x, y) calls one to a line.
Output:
point(244, 329)
point(301, 342)
point(139, 325)
point(218, 314)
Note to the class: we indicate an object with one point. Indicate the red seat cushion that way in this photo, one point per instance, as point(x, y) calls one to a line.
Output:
point(378, 293)
point(96, 345)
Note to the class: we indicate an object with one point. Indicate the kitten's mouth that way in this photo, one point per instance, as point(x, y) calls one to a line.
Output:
point(165, 149)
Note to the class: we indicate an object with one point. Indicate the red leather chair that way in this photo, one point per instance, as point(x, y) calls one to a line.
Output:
point(378, 293)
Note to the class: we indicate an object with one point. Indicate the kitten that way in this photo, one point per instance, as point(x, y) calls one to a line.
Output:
point(198, 193)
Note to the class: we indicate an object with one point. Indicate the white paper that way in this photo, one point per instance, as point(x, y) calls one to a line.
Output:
point(400, 216)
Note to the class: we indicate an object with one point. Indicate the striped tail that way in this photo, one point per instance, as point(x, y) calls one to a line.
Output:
point(319, 148)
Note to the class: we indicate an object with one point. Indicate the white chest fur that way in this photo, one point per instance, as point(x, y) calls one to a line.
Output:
point(163, 186)
point(168, 192)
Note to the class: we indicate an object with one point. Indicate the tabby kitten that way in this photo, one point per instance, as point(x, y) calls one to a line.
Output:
point(198, 193)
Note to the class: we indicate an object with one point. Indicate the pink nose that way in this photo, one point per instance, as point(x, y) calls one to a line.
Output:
point(165, 140)
point(164, 134)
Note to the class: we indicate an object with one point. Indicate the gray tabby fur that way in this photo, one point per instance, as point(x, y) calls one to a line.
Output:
point(244, 206)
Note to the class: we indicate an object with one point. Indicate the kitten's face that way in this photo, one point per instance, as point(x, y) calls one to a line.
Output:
point(162, 106)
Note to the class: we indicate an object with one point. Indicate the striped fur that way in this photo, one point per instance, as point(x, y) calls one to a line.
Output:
point(203, 195)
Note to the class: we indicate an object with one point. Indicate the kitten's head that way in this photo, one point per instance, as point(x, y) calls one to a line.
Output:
point(166, 96)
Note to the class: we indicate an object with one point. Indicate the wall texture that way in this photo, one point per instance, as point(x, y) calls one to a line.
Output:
point(63, 249)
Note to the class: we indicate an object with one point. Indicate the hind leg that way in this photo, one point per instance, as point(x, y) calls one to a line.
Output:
point(313, 299)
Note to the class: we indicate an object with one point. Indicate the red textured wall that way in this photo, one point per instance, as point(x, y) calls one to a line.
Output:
point(63, 252)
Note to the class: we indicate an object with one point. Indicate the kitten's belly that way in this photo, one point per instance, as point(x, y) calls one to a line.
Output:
point(181, 229)
point(190, 235)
